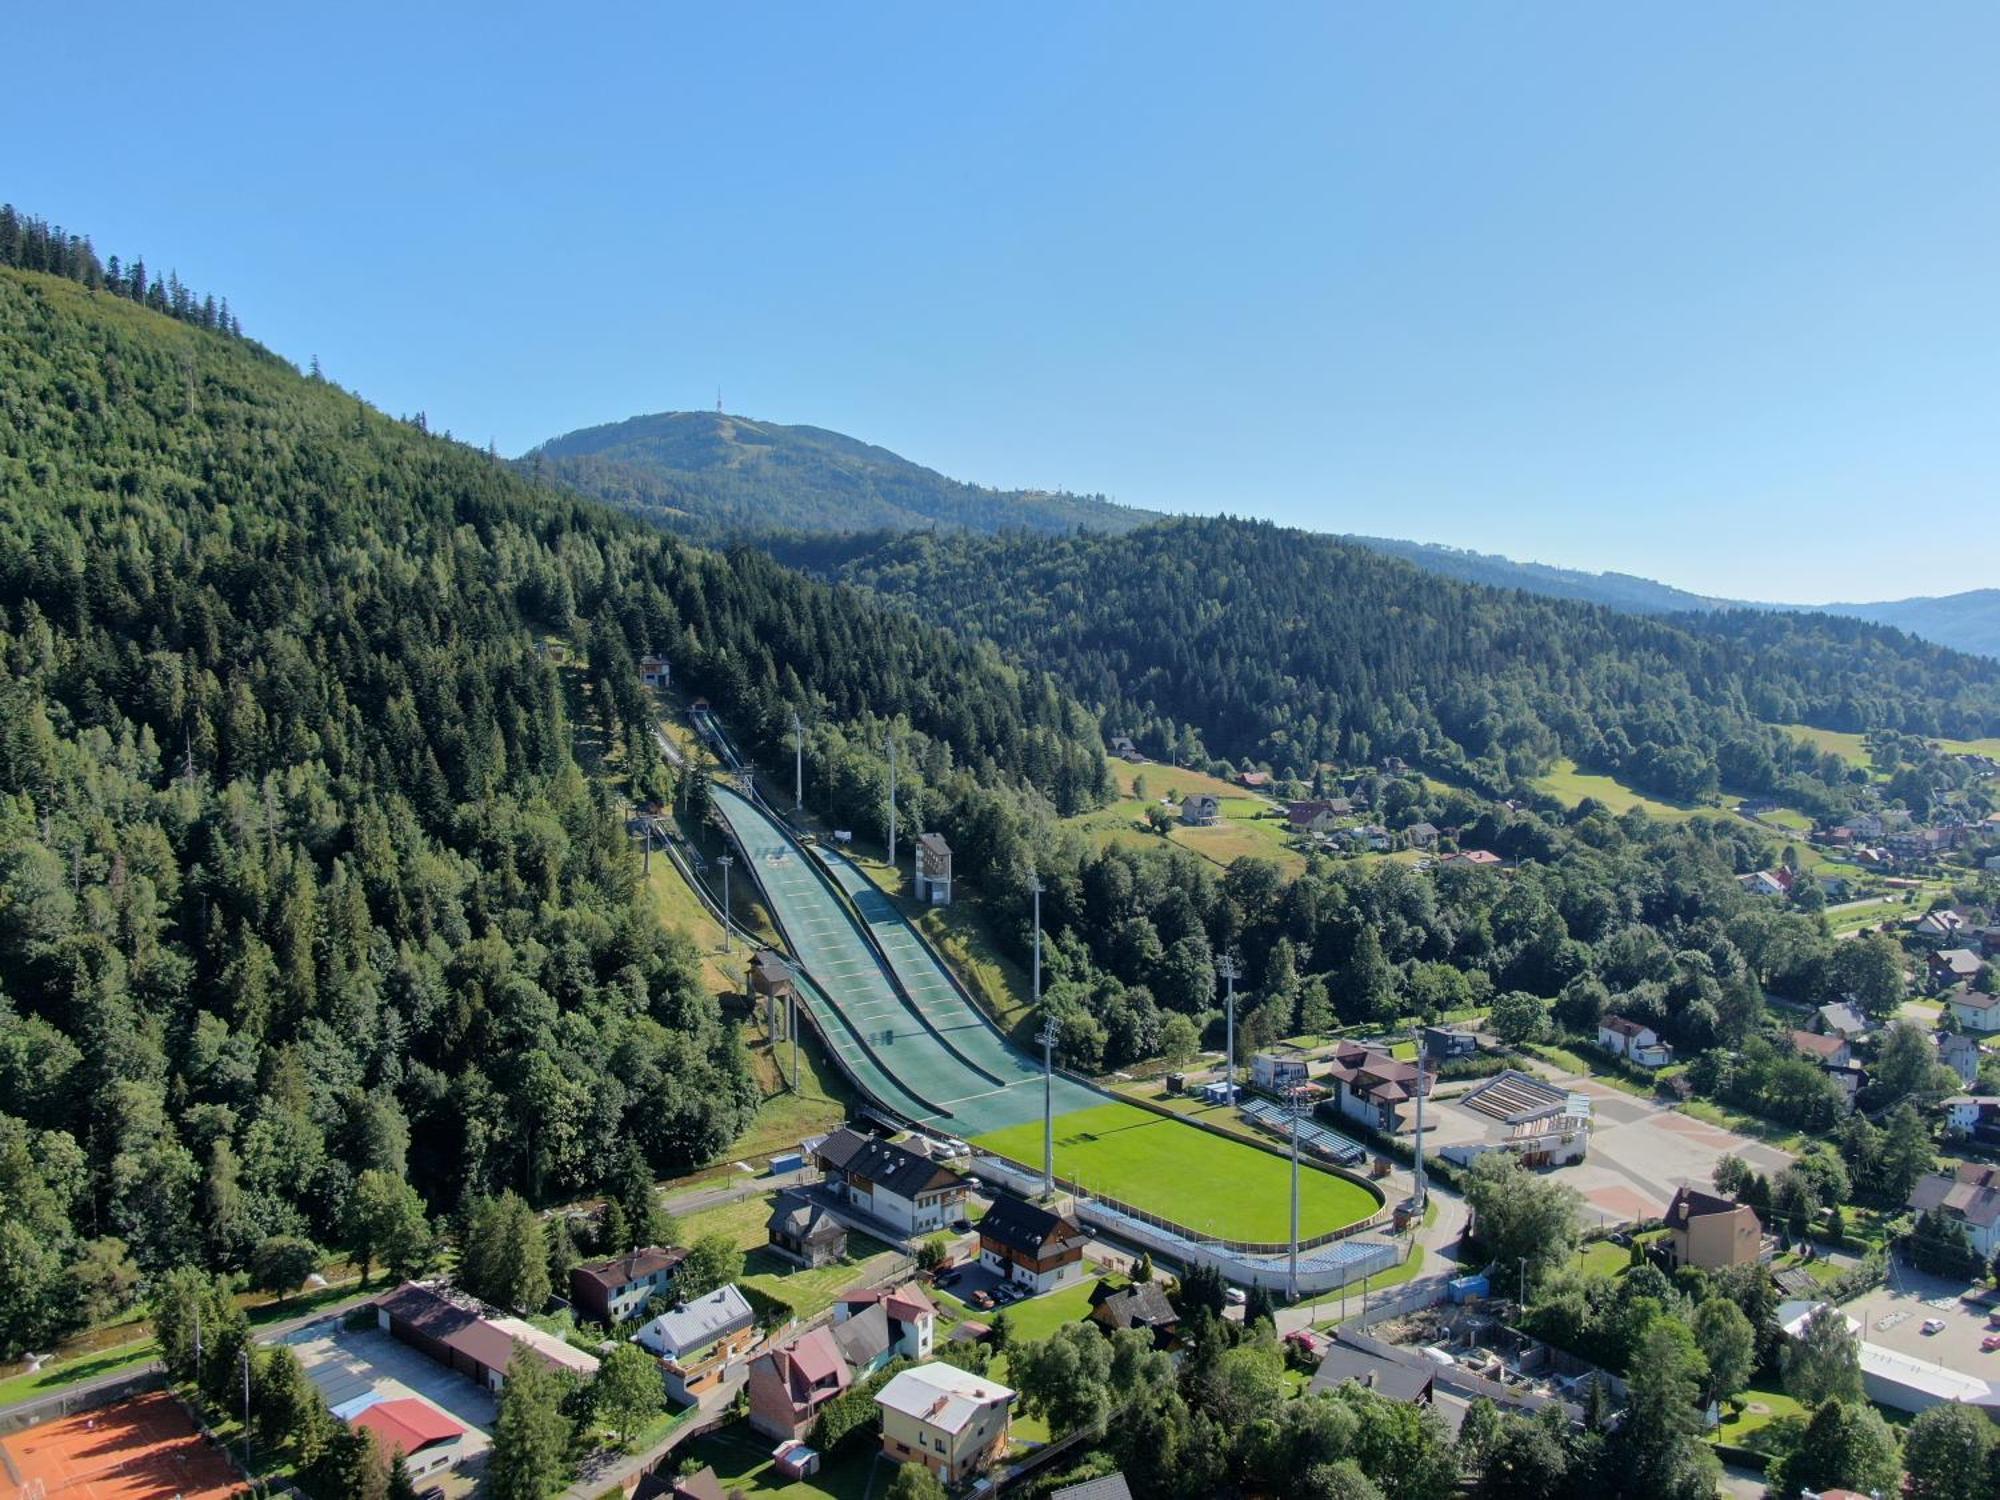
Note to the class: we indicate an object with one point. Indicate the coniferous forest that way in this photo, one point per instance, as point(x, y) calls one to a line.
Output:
point(301, 875)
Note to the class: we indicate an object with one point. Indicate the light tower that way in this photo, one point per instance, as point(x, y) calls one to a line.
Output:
point(891, 741)
point(1421, 1186)
point(1296, 1107)
point(798, 764)
point(1047, 1037)
point(1035, 887)
point(1229, 971)
point(727, 920)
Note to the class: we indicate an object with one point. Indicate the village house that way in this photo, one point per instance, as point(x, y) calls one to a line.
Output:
point(910, 1317)
point(1029, 1245)
point(1774, 882)
point(1315, 817)
point(1201, 811)
point(1965, 1113)
point(1410, 1382)
point(933, 877)
point(1838, 1018)
point(610, 1291)
point(1373, 1087)
point(905, 1190)
point(1969, 1195)
point(1634, 1041)
point(1276, 1073)
point(1255, 780)
point(1421, 835)
point(1371, 836)
point(1974, 1010)
point(788, 1385)
point(463, 1334)
point(949, 1420)
point(1473, 859)
point(1124, 749)
point(1710, 1232)
point(802, 1229)
point(1949, 966)
point(1960, 1052)
point(1940, 928)
point(1830, 1051)
point(698, 1341)
point(1144, 1305)
point(1105, 1487)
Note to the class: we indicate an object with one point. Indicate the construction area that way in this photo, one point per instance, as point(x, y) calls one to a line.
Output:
point(147, 1448)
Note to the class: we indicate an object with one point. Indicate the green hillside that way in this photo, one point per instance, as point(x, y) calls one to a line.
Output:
point(706, 474)
point(303, 873)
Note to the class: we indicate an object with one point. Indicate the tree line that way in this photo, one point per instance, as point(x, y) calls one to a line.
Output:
point(34, 244)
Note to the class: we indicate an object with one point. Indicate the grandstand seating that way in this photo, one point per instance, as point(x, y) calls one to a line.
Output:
point(1314, 1136)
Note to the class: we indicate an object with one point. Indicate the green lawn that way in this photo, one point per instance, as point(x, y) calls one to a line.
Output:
point(1187, 1175)
point(1852, 748)
point(1603, 1258)
point(1566, 783)
point(807, 1291)
point(1751, 1412)
point(1251, 824)
point(742, 1461)
point(1041, 1316)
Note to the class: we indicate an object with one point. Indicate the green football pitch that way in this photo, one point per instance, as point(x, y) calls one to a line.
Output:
point(1185, 1174)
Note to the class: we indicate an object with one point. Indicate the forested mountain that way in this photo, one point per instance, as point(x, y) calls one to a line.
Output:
point(1289, 648)
point(1965, 622)
point(708, 475)
point(300, 874)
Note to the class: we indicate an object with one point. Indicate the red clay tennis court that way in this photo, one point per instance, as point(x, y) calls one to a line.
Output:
point(144, 1449)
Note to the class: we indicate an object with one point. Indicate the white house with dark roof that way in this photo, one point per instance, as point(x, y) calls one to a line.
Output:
point(1634, 1041)
point(1975, 1010)
point(1970, 1194)
point(903, 1188)
point(697, 1341)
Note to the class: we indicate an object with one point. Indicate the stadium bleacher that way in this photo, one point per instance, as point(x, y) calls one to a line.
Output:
point(1313, 1136)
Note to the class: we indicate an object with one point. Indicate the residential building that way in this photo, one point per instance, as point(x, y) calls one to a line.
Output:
point(1634, 1041)
point(1940, 928)
point(1029, 1245)
point(1123, 748)
point(1320, 816)
point(610, 1291)
point(428, 1440)
point(1839, 1018)
point(1971, 1195)
point(788, 1385)
point(933, 870)
point(1104, 1487)
point(1201, 811)
point(698, 1341)
point(1829, 1051)
point(803, 1230)
point(1371, 836)
point(905, 1190)
point(1775, 882)
point(1412, 1380)
point(1257, 781)
point(463, 1334)
point(1710, 1232)
point(1421, 835)
point(1473, 859)
point(863, 1336)
point(1143, 1304)
point(655, 671)
point(1974, 1010)
point(1965, 1113)
point(949, 1420)
point(1949, 966)
point(1850, 1077)
point(1960, 1052)
point(1373, 1087)
point(1275, 1073)
point(910, 1317)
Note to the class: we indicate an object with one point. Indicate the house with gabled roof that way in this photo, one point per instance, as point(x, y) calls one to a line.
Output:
point(789, 1384)
point(949, 1420)
point(1028, 1245)
point(1969, 1195)
point(610, 1291)
point(903, 1188)
point(698, 1341)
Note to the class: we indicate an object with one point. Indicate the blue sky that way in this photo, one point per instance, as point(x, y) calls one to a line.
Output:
point(1708, 294)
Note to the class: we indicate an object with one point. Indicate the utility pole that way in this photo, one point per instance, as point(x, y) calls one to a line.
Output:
point(1296, 1106)
point(243, 1359)
point(727, 920)
point(798, 765)
point(1420, 1182)
point(892, 800)
point(1524, 1283)
point(1048, 1040)
point(1035, 887)
point(1230, 972)
point(792, 1030)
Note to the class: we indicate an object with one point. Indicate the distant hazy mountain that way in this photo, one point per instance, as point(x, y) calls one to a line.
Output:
point(1967, 622)
point(707, 474)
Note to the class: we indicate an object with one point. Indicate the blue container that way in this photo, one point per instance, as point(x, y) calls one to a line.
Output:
point(1466, 1287)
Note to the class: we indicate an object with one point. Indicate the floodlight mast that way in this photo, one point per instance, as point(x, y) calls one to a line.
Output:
point(798, 764)
point(1230, 973)
point(1047, 1038)
point(728, 921)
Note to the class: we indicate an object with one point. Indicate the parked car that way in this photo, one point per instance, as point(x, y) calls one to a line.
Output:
point(1236, 1296)
point(1933, 1325)
point(1988, 1344)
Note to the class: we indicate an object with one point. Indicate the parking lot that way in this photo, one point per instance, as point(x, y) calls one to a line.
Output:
point(344, 1363)
point(1894, 1317)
